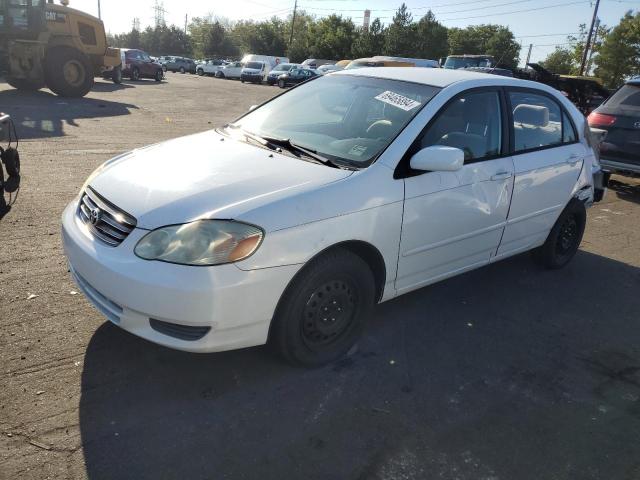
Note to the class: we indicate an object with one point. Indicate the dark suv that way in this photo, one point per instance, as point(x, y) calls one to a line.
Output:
point(180, 64)
point(619, 115)
point(136, 64)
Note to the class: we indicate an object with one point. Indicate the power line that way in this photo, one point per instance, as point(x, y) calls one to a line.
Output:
point(423, 8)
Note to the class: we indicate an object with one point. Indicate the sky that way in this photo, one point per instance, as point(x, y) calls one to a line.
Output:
point(543, 23)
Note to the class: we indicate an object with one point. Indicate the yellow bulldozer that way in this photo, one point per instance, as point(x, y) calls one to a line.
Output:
point(43, 44)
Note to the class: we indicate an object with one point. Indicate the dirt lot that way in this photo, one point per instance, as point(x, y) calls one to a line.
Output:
point(508, 372)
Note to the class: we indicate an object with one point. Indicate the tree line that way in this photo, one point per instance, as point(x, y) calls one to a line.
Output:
point(616, 51)
point(332, 37)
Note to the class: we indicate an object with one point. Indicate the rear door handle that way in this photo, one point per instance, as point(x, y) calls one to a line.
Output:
point(501, 176)
point(573, 159)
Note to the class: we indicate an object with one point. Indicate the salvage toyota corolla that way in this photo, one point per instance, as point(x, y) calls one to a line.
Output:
point(289, 224)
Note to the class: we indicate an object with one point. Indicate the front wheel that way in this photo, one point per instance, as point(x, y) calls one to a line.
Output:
point(25, 84)
point(159, 75)
point(68, 72)
point(324, 310)
point(200, 72)
point(281, 84)
point(564, 238)
point(182, 70)
point(135, 74)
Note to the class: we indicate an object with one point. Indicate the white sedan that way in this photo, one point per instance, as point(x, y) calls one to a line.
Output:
point(288, 227)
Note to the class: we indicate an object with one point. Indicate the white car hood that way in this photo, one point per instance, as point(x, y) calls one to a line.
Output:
point(205, 175)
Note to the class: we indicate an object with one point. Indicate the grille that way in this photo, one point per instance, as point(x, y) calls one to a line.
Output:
point(105, 221)
point(182, 332)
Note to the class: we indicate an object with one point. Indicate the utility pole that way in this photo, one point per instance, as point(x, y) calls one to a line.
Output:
point(293, 21)
point(588, 44)
point(185, 23)
point(595, 40)
point(526, 64)
point(99, 13)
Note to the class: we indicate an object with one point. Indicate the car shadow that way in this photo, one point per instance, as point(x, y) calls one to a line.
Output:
point(42, 114)
point(504, 372)
point(626, 188)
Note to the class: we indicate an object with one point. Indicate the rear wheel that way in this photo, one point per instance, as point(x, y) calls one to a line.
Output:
point(116, 75)
point(68, 72)
point(323, 311)
point(25, 84)
point(182, 70)
point(565, 237)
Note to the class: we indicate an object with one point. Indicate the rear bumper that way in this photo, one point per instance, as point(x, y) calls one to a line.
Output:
point(617, 166)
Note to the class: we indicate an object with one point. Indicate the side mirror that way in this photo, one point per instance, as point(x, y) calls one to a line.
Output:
point(253, 107)
point(438, 158)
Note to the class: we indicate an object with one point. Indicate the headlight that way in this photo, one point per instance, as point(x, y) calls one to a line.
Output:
point(204, 242)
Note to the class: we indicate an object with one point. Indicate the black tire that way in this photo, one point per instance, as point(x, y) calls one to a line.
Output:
point(25, 85)
point(159, 75)
point(68, 72)
point(565, 237)
point(338, 284)
point(164, 68)
point(241, 80)
point(116, 75)
point(182, 70)
point(282, 84)
point(11, 160)
point(135, 74)
point(219, 75)
point(200, 72)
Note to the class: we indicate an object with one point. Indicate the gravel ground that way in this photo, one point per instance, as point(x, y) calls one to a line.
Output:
point(508, 372)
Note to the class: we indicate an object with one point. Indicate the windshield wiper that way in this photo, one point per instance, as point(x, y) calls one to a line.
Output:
point(287, 144)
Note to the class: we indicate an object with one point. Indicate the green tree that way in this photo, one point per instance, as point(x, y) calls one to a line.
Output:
point(331, 37)
point(560, 61)
point(401, 34)
point(496, 40)
point(369, 42)
point(619, 56)
point(431, 38)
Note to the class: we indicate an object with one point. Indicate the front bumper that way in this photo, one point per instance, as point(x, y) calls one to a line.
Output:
point(251, 78)
point(232, 306)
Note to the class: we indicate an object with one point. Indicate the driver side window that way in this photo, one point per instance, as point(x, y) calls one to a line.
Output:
point(471, 122)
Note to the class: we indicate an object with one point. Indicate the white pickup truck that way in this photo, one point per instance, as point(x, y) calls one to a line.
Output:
point(210, 67)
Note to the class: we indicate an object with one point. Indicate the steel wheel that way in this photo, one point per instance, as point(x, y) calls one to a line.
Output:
point(328, 314)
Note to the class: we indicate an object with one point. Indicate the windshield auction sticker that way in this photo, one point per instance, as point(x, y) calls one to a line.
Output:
point(397, 100)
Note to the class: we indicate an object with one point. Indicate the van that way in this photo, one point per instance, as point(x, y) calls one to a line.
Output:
point(268, 62)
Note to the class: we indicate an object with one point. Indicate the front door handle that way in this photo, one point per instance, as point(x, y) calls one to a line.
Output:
point(501, 176)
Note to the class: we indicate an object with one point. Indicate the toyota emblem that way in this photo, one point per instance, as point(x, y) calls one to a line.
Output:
point(95, 215)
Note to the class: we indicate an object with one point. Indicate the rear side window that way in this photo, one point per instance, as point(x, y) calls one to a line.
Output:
point(537, 121)
point(627, 97)
point(87, 34)
point(471, 122)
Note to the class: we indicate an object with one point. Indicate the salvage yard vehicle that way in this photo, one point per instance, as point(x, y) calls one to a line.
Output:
point(254, 72)
point(619, 116)
point(295, 76)
point(179, 64)
point(469, 61)
point(210, 67)
point(44, 44)
point(138, 64)
point(278, 70)
point(231, 70)
point(294, 226)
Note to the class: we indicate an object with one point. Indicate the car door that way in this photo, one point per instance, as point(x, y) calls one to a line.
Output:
point(147, 67)
point(547, 160)
point(453, 221)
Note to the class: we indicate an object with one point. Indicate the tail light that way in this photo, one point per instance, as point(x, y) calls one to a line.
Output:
point(601, 119)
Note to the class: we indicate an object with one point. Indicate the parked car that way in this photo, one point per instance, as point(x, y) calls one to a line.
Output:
point(324, 69)
point(619, 115)
point(385, 61)
point(180, 64)
point(295, 225)
point(137, 64)
point(209, 67)
point(314, 63)
point(295, 76)
point(230, 70)
point(272, 77)
point(254, 72)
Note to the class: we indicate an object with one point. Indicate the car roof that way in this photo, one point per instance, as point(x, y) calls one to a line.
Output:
point(436, 77)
